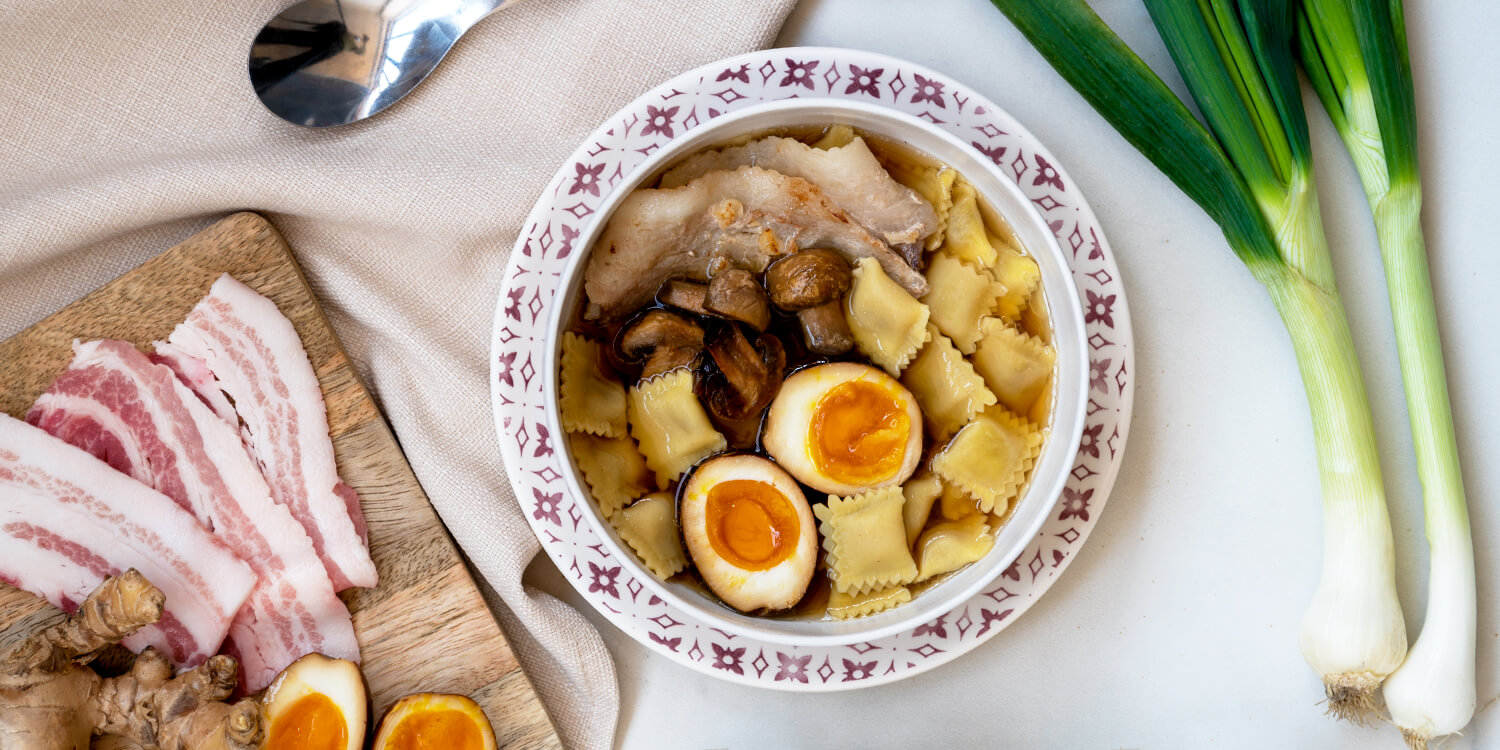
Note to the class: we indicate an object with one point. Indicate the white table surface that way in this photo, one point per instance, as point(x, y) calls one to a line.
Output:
point(1176, 625)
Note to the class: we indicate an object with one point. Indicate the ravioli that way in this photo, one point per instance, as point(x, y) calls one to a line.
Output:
point(864, 537)
point(590, 402)
point(989, 459)
point(946, 385)
point(649, 526)
point(889, 325)
point(671, 426)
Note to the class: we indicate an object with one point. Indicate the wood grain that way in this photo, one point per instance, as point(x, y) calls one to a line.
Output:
point(425, 627)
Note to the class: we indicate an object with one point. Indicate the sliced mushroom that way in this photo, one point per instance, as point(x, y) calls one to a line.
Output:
point(735, 294)
point(812, 283)
point(684, 295)
point(751, 373)
point(665, 340)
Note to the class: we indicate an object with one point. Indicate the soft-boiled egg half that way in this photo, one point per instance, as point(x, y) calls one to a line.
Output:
point(317, 703)
point(750, 532)
point(844, 427)
point(435, 721)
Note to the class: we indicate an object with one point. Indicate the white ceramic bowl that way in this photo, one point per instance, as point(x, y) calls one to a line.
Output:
point(1070, 389)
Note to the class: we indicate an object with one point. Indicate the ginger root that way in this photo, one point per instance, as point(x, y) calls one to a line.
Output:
point(50, 701)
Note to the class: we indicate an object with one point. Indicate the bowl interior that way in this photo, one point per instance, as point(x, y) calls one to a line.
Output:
point(1069, 389)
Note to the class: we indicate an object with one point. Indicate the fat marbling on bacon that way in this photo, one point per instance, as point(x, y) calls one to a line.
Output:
point(69, 520)
point(195, 375)
point(134, 414)
point(257, 360)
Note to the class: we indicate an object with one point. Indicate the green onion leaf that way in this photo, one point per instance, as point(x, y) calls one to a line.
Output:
point(1097, 63)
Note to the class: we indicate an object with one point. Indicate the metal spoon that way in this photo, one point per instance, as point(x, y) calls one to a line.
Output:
point(330, 62)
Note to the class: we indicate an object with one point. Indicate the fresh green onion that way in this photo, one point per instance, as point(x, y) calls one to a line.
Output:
point(1251, 170)
point(1354, 52)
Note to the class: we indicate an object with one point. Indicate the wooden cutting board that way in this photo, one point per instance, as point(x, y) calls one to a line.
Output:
point(425, 628)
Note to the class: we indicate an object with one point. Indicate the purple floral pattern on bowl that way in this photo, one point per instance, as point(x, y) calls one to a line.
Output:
point(531, 282)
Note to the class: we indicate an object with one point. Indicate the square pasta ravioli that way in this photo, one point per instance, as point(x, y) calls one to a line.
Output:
point(1019, 275)
point(847, 607)
point(650, 528)
point(669, 423)
point(865, 538)
point(1015, 365)
point(967, 239)
point(989, 459)
point(935, 183)
point(889, 325)
point(589, 401)
point(946, 386)
point(950, 545)
point(613, 468)
point(961, 297)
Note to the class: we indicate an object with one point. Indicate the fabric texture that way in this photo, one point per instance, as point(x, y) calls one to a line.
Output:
point(126, 126)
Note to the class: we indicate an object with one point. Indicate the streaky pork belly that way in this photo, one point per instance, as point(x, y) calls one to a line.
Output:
point(116, 403)
point(748, 216)
point(850, 175)
point(257, 360)
point(195, 375)
point(68, 520)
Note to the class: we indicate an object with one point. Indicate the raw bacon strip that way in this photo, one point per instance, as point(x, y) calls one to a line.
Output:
point(195, 375)
point(115, 403)
point(68, 520)
point(258, 361)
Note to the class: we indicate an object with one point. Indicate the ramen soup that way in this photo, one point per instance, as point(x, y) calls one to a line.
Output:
point(810, 373)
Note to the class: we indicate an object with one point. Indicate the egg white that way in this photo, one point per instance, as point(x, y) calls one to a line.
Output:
point(777, 587)
point(790, 419)
point(337, 679)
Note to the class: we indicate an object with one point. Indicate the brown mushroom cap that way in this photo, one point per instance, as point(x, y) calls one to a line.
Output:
point(684, 295)
point(664, 339)
point(808, 278)
point(735, 293)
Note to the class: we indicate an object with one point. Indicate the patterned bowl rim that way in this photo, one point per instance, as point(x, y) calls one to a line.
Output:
point(1114, 309)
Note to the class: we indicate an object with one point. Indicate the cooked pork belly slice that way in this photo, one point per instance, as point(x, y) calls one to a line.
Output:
point(258, 361)
point(69, 520)
point(849, 175)
point(749, 216)
point(115, 403)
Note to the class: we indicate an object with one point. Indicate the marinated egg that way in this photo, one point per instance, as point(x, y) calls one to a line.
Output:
point(317, 703)
point(435, 721)
point(844, 427)
point(750, 532)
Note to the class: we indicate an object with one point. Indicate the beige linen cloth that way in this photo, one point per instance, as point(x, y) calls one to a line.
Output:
point(127, 125)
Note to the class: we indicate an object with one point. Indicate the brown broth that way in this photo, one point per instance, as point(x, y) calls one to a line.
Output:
point(746, 435)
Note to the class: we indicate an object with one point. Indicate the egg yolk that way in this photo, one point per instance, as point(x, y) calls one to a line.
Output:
point(435, 730)
point(858, 433)
point(750, 524)
point(314, 722)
